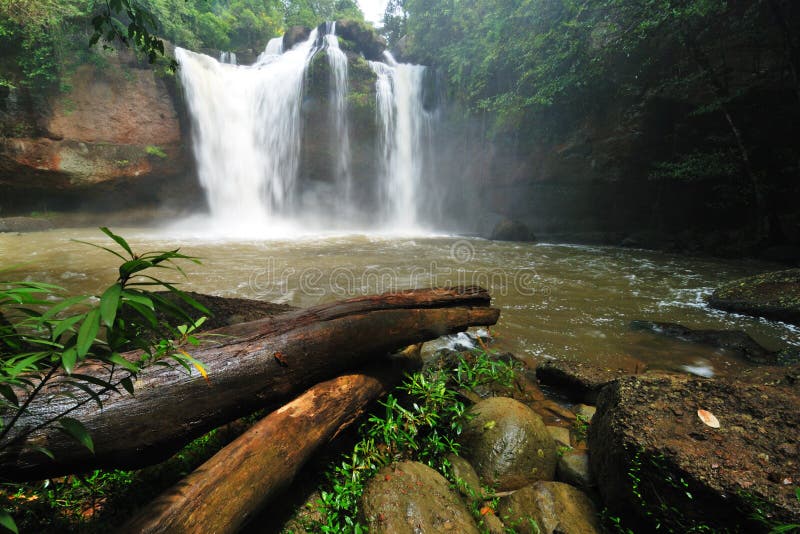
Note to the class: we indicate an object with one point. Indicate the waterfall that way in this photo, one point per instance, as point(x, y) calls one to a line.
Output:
point(227, 57)
point(246, 131)
point(405, 129)
point(340, 133)
point(247, 134)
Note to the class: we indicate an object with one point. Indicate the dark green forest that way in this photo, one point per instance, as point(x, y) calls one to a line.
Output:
point(44, 37)
point(723, 73)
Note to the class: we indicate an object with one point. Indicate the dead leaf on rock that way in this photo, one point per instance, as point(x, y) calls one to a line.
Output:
point(708, 418)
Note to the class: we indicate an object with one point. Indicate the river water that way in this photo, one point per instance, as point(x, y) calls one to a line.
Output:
point(557, 301)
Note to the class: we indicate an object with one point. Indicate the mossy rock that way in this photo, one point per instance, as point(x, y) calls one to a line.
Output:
point(773, 295)
point(508, 444)
point(549, 508)
point(411, 497)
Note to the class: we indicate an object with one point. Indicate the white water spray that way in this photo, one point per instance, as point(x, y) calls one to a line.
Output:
point(405, 128)
point(246, 131)
point(247, 138)
point(340, 133)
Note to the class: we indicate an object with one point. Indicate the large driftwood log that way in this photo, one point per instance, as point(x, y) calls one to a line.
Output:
point(256, 364)
point(225, 492)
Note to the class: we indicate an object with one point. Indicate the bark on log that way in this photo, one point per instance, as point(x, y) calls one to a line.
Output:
point(257, 364)
point(225, 492)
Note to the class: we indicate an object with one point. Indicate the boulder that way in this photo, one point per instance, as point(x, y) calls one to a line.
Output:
point(560, 435)
point(295, 35)
point(410, 497)
point(549, 508)
point(573, 468)
point(655, 460)
point(364, 38)
point(508, 444)
point(581, 381)
point(467, 481)
point(773, 295)
point(735, 341)
point(512, 230)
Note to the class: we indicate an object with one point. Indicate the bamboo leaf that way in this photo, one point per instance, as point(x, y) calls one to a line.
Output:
point(68, 359)
point(109, 302)
point(88, 332)
point(120, 241)
point(7, 522)
point(76, 430)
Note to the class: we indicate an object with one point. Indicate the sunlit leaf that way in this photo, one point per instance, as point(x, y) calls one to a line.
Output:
point(88, 332)
point(68, 359)
point(109, 302)
point(120, 241)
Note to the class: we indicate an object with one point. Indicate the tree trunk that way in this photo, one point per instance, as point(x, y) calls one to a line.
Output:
point(253, 365)
point(223, 493)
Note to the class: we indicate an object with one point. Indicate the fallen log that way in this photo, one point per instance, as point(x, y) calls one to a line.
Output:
point(255, 364)
point(226, 491)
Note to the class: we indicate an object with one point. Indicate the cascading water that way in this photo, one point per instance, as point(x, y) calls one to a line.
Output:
point(228, 57)
point(340, 133)
point(247, 138)
point(405, 129)
point(246, 132)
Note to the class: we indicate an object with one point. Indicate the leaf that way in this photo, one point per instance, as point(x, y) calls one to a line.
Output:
point(197, 365)
point(7, 522)
point(89, 391)
point(75, 429)
point(708, 418)
point(120, 241)
point(88, 332)
point(126, 364)
point(8, 392)
point(68, 359)
point(109, 302)
point(127, 383)
point(66, 324)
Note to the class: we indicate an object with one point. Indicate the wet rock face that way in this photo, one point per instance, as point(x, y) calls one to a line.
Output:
point(118, 126)
point(508, 444)
point(647, 438)
point(774, 295)
point(410, 497)
point(580, 381)
point(549, 508)
point(363, 37)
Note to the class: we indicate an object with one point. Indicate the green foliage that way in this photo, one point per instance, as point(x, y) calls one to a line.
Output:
point(422, 424)
point(41, 336)
point(46, 37)
point(697, 166)
point(152, 150)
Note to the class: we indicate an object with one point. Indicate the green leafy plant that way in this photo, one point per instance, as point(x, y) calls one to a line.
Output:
point(42, 339)
point(421, 423)
point(155, 151)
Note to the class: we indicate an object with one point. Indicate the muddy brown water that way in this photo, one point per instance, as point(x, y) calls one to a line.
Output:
point(557, 301)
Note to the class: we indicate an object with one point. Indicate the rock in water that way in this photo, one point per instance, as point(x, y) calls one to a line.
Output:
point(549, 508)
point(508, 444)
point(733, 340)
point(510, 230)
point(774, 295)
point(410, 497)
point(650, 447)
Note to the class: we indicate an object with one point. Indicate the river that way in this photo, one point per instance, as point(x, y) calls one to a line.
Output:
point(558, 301)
